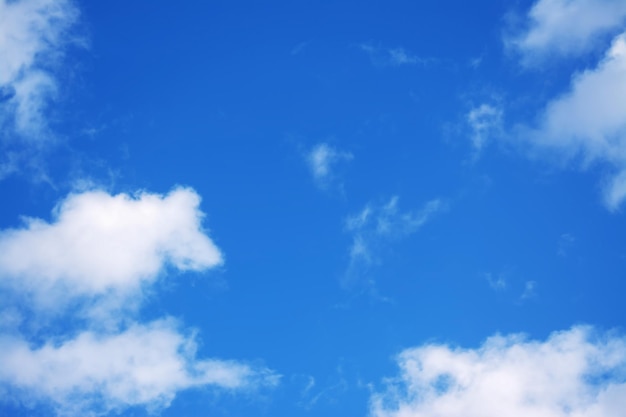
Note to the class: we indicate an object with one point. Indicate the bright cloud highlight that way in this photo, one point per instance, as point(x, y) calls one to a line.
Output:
point(574, 373)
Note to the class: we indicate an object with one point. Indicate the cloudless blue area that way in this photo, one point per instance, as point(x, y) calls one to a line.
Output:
point(227, 97)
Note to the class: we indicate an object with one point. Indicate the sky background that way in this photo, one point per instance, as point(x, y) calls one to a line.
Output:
point(313, 208)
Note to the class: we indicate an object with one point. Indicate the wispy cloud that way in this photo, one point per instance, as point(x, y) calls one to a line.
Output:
point(530, 288)
point(511, 286)
point(497, 283)
point(313, 394)
point(375, 226)
point(566, 242)
point(485, 122)
point(577, 372)
point(393, 56)
point(323, 161)
point(565, 28)
point(33, 36)
point(92, 266)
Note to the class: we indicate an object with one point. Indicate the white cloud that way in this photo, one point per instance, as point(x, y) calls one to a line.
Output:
point(375, 226)
point(485, 122)
point(94, 373)
point(322, 160)
point(101, 252)
point(590, 120)
point(567, 27)
point(99, 243)
point(574, 373)
point(33, 34)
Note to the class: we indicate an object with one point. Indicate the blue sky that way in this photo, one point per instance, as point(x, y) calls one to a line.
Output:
point(396, 209)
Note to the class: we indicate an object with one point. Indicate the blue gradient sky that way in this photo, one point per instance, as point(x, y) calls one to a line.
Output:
point(377, 177)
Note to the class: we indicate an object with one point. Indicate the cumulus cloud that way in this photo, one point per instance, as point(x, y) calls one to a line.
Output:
point(590, 120)
point(322, 160)
point(33, 34)
point(377, 225)
point(95, 373)
point(574, 373)
point(566, 27)
point(100, 252)
point(99, 243)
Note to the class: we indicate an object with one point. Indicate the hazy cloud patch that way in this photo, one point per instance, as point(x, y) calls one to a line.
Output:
point(323, 161)
point(395, 57)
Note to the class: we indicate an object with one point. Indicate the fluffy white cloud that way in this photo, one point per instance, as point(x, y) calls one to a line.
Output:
point(375, 226)
point(567, 27)
point(575, 373)
point(99, 243)
point(95, 373)
point(100, 252)
point(322, 159)
point(33, 34)
point(590, 119)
